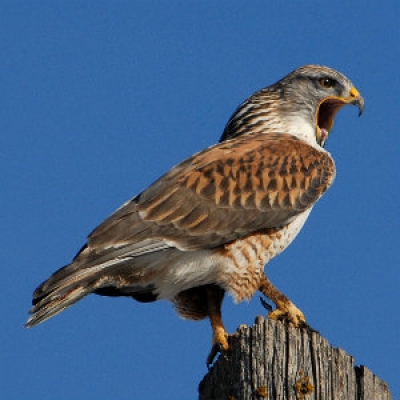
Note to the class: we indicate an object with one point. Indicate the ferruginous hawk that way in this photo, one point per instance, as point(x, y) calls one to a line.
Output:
point(210, 224)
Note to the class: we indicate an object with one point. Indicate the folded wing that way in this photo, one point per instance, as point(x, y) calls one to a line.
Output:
point(223, 193)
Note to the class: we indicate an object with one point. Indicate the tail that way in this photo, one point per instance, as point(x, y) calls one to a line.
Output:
point(115, 272)
point(64, 288)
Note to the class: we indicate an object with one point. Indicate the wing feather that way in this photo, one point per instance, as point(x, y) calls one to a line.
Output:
point(227, 191)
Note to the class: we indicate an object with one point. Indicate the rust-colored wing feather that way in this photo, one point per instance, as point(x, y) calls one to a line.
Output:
point(221, 194)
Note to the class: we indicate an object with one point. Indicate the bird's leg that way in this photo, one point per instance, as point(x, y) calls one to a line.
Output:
point(285, 309)
point(214, 297)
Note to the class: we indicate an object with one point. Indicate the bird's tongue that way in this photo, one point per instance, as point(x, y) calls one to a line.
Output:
point(324, 133)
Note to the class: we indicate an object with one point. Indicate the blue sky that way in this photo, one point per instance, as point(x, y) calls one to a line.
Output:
point(98, 99)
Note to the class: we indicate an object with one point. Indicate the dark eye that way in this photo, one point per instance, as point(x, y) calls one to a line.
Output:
point(327, 82)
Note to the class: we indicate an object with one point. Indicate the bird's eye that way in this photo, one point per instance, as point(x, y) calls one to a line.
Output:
point(327, 83)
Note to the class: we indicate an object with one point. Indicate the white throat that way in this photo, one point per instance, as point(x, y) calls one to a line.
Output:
point(302, 128)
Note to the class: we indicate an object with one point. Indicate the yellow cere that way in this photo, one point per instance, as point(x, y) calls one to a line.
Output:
point(354, 92)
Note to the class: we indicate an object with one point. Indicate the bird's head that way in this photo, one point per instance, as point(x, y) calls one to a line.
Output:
point(320, 93)
point(303, 103)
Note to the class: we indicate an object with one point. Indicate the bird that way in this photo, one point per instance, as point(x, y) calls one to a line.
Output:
point(210, 224)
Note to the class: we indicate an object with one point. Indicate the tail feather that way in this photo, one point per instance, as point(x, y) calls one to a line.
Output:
point(53, 304)
point(59, 282)
point(64, 288)
point(122, 276)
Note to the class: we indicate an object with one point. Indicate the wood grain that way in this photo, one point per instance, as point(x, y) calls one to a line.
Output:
point(274, 361)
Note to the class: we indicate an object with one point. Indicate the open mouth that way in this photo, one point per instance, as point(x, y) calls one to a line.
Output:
point(326, 112)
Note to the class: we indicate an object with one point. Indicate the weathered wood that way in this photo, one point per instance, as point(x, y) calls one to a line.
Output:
point(274, 361)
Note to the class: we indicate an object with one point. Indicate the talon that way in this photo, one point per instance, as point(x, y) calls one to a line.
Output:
point(266, 305)
point(215, 349)
point(288, 312)
point(220, 344)
point(221, 338)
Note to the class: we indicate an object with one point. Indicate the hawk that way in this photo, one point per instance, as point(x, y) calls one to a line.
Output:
point(211, 223)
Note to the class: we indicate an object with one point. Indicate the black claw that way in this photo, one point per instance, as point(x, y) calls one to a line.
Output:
point(266, 305)
point(215, 350)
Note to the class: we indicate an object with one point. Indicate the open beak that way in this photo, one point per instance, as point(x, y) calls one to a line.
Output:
point(328, 108)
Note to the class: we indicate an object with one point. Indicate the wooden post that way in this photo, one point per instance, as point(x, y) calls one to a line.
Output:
point(274, 361)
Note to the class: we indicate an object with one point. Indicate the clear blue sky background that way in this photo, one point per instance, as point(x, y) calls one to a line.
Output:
point(98, 99)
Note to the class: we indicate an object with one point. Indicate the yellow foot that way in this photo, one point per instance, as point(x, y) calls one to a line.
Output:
point(287, 311)
point(220, 344)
